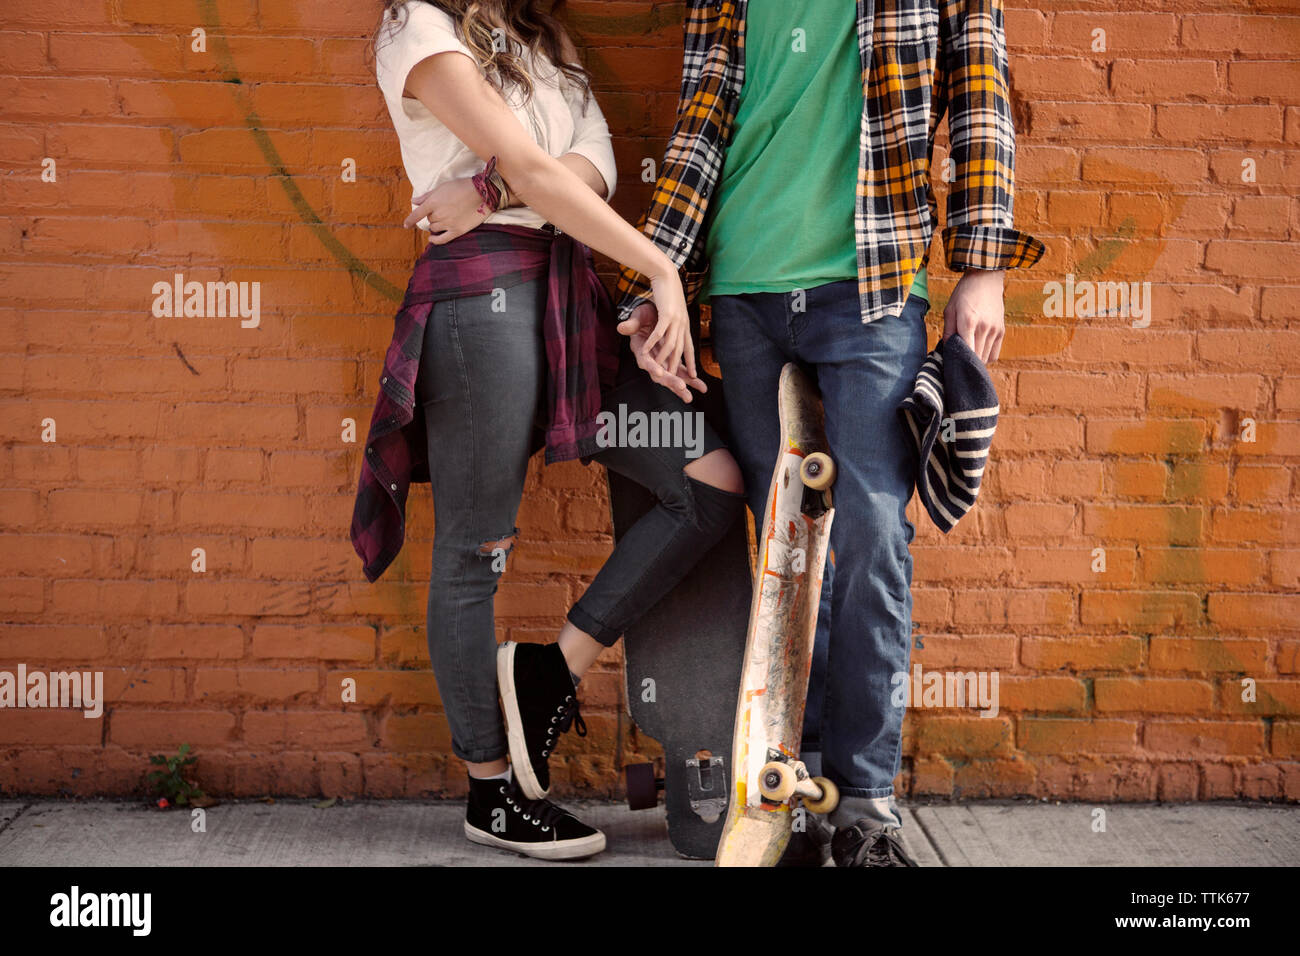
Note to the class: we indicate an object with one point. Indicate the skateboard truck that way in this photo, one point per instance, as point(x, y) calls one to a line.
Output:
point(781, 779)
point(706, 785)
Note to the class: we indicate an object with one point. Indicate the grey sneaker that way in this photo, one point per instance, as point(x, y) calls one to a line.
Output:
point(869, 844)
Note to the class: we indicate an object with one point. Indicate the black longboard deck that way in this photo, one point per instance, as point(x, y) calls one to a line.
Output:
point(684, 658)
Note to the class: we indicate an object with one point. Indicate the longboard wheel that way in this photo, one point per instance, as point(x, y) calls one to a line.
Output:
point(830, 797)
point(776, 781)
point(642, 787)
point(818, 471)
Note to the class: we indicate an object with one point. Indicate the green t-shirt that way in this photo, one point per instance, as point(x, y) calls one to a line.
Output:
point(783, 214)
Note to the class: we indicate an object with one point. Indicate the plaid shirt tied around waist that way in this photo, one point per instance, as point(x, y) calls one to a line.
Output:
point(920, 59)
point(581, 356)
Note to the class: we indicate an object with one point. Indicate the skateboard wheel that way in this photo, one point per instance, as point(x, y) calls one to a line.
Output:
point(642, 787)
point(830, 797)
point(818, 471)
point(776, 781)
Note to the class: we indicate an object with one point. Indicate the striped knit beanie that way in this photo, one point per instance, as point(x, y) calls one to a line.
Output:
point(951, 413)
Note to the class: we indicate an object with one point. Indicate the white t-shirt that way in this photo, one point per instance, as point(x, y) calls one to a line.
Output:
point(432, 154)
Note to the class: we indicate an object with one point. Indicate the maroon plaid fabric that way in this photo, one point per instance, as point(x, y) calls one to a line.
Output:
point(581, 351)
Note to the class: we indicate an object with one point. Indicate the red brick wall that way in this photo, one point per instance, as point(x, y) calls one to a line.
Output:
point(174, 434)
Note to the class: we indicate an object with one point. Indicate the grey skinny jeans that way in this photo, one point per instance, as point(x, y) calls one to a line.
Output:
point(482, 386)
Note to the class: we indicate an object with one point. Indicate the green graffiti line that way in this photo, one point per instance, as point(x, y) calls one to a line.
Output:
point(1026, 307)
point(279, 171)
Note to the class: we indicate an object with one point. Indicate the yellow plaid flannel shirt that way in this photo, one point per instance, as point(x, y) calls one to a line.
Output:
point(920, 59)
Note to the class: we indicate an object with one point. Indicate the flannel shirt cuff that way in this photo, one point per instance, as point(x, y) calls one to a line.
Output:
point(990, 247)
point(633, 289)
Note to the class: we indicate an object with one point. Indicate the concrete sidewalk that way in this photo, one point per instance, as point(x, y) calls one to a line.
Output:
point(409, 833)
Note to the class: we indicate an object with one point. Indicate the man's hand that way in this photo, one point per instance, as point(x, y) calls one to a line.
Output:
point(976, 312)
point(452, 209)
point(638, 328)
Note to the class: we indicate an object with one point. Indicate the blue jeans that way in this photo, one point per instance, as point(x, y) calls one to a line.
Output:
point(865, 620)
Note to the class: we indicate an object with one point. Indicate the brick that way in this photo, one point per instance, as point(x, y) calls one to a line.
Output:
point(1286, 739)
point(1284, 568)
point(316, 643)
point(49, 727)
point(165, 730)
point(377, 689)
point(1081, 653)
point(963, 735)
point(307, 729)
point(1220, 566)
point(1273, 698)
point(1146, 524)
point(1178, 782)
point(982, 779)
point(195, 642)
point(1203, 737)
point(255, 684)
point(1239, 35)
point(1042, 694)
point(1048, 735)
point(1139, 610)
point(1258, 612)
point(1138, 32)
point(35, 642)
point(1079, 390)
point(1191, 123)
point(415, 732)
point(1152, 695)
point(1161, 80)
point(1208, 654)
point(232, 597)
point(144, 686)
point(966, 651)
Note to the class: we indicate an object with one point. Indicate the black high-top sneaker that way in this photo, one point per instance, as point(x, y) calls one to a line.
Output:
point(540, 703)
point(869, 844)
point(499, 815)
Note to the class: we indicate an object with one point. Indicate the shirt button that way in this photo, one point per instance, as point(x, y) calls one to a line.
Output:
point(394, 487)
point(384, 380)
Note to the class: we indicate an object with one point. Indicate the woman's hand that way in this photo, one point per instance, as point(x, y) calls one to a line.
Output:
point(645, 322)
point(452, 208)
point(975, 312)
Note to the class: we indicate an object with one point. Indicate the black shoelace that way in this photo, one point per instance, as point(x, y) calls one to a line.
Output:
point(567, 714)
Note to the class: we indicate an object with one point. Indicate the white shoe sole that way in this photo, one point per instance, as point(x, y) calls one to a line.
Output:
point(519, 762)
point(555, 850)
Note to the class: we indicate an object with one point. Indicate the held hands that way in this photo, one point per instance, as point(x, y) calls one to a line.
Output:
point(672, 363)
point(452, 209)
point(976, 312)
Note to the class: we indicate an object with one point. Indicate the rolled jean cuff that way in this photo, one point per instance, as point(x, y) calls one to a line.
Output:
point(480, 754)
point(870, 794)
point(585, 622)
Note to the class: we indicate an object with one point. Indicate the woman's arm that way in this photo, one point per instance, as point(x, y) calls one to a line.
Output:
point(450, 86)
point(455, 207)
point(581, 167)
